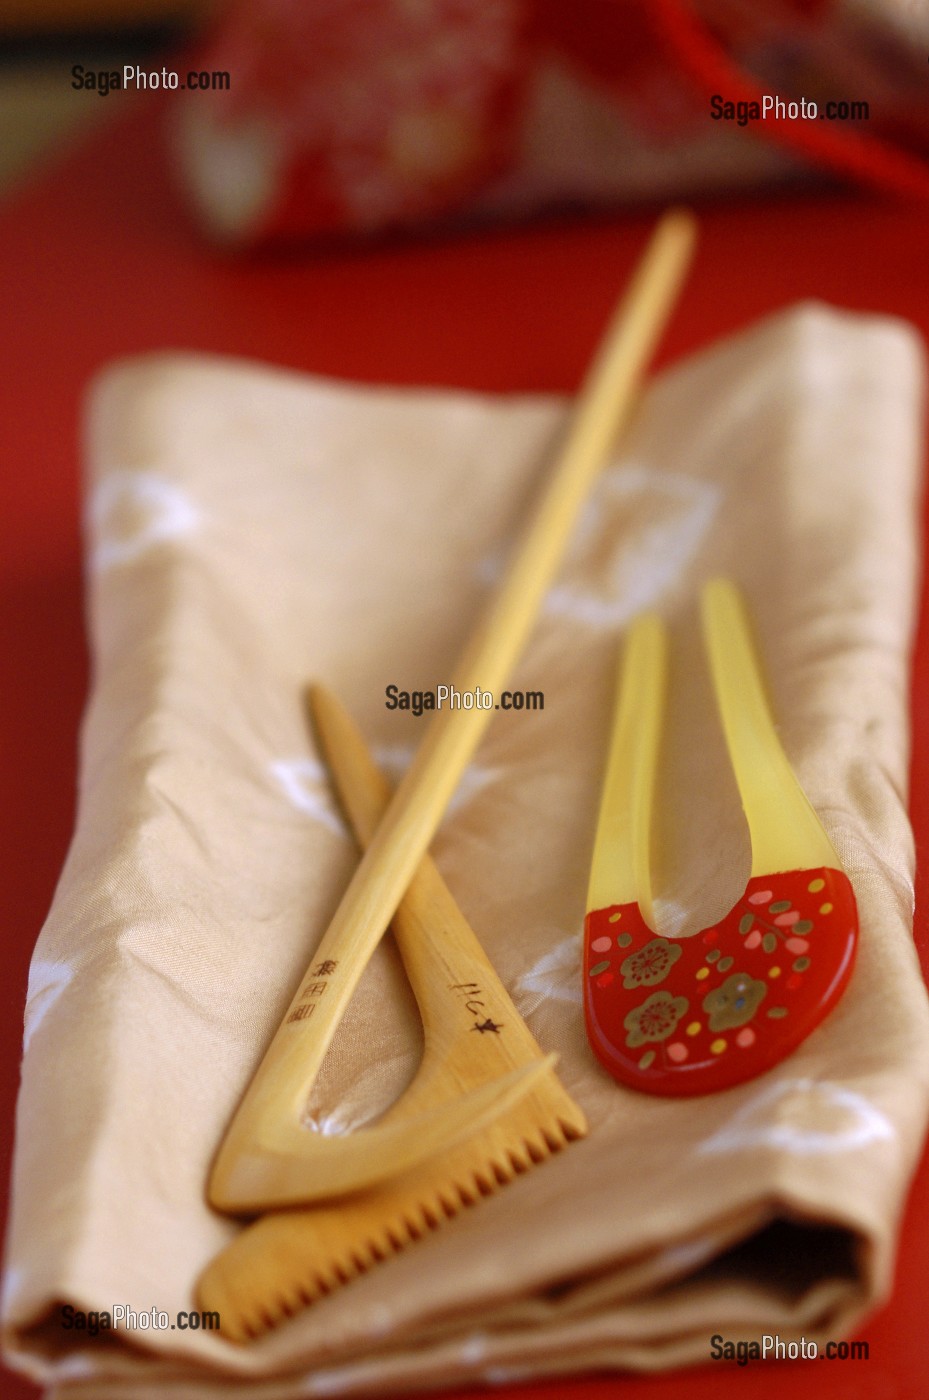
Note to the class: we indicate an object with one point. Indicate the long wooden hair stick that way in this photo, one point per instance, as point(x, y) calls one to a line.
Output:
point(603, 408)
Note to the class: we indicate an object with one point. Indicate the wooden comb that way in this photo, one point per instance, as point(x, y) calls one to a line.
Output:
point(473, 1036)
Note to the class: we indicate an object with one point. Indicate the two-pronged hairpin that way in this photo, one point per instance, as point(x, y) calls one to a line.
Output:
point(696, 1014)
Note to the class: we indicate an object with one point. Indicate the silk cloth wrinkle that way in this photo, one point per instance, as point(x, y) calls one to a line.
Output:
point(250, 529)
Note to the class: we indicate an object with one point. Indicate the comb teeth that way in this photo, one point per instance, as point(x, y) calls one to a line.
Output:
point(293, 1257)
point(289, 1260)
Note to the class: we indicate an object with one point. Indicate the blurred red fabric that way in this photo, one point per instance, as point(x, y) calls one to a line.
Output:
point(366, 115)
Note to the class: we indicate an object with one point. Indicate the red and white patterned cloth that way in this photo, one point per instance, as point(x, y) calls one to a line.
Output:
point(354, 116)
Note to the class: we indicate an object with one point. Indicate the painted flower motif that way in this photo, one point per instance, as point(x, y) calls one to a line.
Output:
point(655, 1019)
point(734, 1002)
point(650, 964)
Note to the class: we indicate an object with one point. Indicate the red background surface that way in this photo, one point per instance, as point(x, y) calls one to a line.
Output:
point(98, 261)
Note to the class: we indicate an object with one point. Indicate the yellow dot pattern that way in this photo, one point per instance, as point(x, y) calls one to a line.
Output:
point(704, 972)
point(815, 886)
point(617, 915)
point(825, 909)
point(774, 972)
point(718, 1046)
point(693, 1028)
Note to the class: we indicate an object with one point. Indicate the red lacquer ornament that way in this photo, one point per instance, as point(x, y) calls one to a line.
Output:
point(693, 1015)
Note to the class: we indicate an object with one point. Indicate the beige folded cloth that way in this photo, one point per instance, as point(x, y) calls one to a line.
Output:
point(251, 529)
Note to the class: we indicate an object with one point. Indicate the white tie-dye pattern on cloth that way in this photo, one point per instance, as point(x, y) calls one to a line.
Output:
point(306, 783)
point(251, 531)
point(47, 980)
point(132, 511)
point(628, 576)
point(803, 1116)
